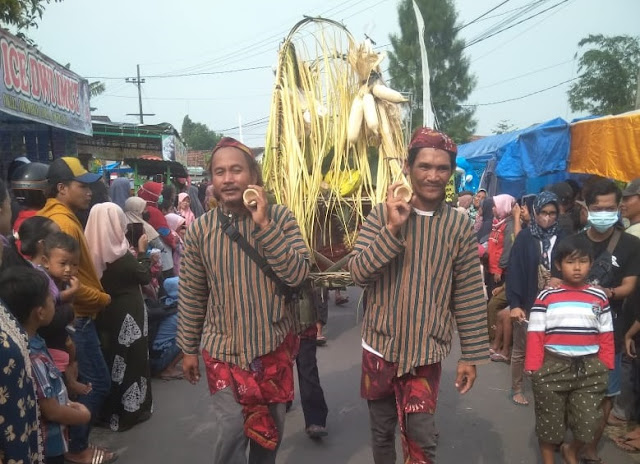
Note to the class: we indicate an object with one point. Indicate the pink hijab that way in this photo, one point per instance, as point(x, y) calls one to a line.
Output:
point(105, 234)
point(175, 221)
point(185, 211)
point(504, 204)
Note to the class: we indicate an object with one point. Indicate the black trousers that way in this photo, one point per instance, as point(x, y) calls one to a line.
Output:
point(314, 406)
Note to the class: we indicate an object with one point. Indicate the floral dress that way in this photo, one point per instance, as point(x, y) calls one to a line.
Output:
point(20, 435)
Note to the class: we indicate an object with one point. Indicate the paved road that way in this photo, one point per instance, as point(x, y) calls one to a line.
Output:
point(481, 427)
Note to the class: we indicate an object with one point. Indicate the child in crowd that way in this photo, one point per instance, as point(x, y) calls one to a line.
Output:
point(570, 350)
point(60, 258)
point(26, 292)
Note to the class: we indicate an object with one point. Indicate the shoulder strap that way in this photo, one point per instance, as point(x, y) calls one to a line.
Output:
point(235, 236)
point(617, 233)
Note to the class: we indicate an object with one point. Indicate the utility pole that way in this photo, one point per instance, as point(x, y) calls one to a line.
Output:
point(138, 82)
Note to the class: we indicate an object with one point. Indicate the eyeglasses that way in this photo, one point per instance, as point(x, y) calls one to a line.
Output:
point(548, 214)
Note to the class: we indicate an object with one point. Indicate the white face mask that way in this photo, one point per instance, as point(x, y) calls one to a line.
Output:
point(603, 220)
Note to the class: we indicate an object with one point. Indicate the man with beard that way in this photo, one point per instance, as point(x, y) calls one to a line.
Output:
point(239, 312)
point(70, 192)
point(419, 263)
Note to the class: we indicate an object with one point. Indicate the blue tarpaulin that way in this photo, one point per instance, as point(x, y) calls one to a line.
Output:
point(115, 168)
point(523, 155)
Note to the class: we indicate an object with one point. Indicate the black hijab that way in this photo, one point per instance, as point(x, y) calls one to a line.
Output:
point(487, 220)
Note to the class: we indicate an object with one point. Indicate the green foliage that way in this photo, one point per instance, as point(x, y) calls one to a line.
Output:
point(22, 14)
point(451, 81)
point(608, 75)
point(198, 136)
point(503, 127)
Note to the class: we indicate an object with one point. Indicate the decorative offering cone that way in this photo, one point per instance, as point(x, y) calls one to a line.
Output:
point(404, 192)
point(250, 196)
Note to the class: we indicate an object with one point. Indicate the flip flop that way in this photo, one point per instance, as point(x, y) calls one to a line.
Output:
point(499, 357)
point(99, 456)
point(321, 340)
point(175, 376)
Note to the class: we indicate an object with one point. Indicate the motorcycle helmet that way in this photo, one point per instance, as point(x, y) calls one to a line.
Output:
point(29, 183)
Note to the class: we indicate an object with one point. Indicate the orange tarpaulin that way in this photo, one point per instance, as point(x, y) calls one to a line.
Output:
point(608, 146)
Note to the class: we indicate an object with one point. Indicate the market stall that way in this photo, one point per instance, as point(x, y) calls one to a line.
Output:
point(607, 146)
point(522, 161)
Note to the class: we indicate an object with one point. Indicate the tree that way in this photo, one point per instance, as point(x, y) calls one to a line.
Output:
point(503, 126)
point(608, 75)
point(451, 81)
point(198, 136)
point(22, 14)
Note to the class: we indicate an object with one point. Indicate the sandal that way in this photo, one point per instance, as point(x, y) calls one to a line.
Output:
point(99, 456)
point(499, 357)
point(342, 300)
point(321, 340)
point(177, 375)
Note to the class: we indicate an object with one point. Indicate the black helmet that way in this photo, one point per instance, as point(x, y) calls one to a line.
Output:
point(32, 176)
point(29, 183)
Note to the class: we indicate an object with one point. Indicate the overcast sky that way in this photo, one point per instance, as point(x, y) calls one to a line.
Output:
point(107, 39)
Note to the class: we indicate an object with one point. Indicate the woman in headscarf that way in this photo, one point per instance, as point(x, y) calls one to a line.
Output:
point(136, 209)
point(503, 231)
point(18, 407)
point(529, 272)
point(196, 204)
point(184, 208)
point(152, 193)
point(122, 325)
point(178, 227)
point(484, 219)
point(119, 191)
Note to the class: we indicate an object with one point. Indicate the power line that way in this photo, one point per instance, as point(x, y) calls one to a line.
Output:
point(482, 15)
point(166, 76)
point(186, 98)
point(525, 96)
point(520, 34)
point(535, 71)
point(248, 124)
point(514, 25)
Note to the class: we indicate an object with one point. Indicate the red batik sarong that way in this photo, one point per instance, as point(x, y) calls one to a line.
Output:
point(268, 380)
point(414, 393)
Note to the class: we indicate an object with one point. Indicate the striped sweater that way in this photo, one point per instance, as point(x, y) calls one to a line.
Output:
point(570, 322)
point(226, 304)
point(417, 284)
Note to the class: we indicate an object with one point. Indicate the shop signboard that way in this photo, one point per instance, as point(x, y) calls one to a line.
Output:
point(36, 88)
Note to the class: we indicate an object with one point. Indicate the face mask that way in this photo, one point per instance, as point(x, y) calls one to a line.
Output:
point(603, 220)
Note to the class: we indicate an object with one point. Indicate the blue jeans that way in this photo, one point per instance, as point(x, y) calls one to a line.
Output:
point(92, 368)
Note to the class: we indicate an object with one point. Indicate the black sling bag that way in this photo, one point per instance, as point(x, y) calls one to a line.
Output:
point(283, 289)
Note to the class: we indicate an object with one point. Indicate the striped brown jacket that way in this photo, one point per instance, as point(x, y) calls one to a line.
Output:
point(417, 284)
point(226, 304)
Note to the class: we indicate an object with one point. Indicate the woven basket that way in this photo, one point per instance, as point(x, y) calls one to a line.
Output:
point(331, 279)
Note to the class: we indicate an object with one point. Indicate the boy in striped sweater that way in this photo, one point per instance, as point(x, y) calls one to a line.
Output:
point(570, 350)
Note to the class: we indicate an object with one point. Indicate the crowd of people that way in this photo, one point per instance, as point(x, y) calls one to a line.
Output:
point(91, 279)
point(101, 290)
point(535, 252)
